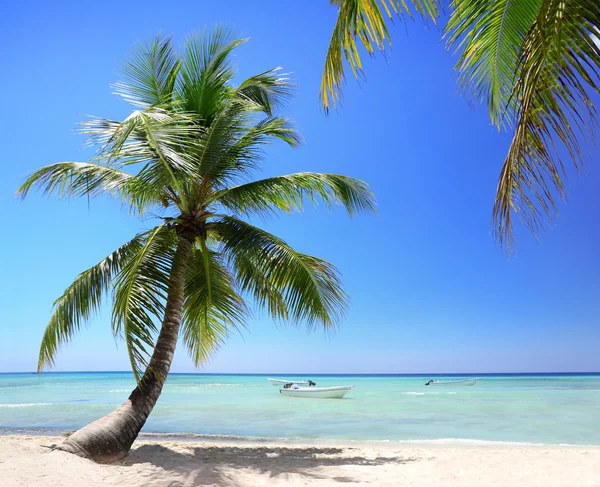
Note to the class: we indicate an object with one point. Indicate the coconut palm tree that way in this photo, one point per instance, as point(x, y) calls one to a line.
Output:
point(536, 63)
point(184, 155)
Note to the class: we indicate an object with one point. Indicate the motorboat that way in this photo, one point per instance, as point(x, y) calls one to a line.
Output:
point(282, 382)
point(462, 382)
point(337, 392)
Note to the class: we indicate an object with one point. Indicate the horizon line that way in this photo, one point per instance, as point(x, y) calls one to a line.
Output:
point(415, 374)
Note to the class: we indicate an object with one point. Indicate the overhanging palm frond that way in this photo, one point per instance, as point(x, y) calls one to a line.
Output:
point(489, 35)
point(362, 20)
point(150, 74)
point(140, 292)
point(560, 67)
point(310, 287)
point(81, 299)
point(78, 179)
point(212, 307)
point(288, 192)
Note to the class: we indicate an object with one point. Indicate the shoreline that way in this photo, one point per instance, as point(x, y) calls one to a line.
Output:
point(170, 437)
point(31, 460)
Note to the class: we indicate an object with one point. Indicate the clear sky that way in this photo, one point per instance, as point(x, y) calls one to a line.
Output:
point(430, 291)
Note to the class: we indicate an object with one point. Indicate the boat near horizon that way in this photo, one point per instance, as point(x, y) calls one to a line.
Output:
point(462, 382)
point(281, 382)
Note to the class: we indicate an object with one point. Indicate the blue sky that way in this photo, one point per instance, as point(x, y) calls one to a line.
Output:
point(430, 291)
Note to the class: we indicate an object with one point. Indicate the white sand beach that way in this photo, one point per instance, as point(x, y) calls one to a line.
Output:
point(26, 460)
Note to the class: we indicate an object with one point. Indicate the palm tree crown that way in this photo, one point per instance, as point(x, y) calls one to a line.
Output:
point(186, 153)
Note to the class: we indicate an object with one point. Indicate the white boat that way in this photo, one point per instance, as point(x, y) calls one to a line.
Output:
point(317, 392)
point(281, 382)
point(462, 382)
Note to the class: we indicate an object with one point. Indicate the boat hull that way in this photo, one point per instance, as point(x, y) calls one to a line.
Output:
point(317, 392)
point(281, 382)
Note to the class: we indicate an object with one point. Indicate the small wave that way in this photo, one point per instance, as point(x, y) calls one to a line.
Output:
point(26, 405)
point(119, 390)
point(34, 431)
point(429, 393)
point(214, 437)
point(457, 442)
point(474, 442)
point(202, 386)
point(17, 386)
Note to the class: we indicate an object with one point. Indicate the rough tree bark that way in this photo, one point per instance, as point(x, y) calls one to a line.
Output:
point(109, 439)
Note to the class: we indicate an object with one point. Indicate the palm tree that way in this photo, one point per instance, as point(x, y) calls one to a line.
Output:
point(536, 63)
point(184, 154)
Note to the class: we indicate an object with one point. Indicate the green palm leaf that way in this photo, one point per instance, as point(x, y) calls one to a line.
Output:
point(270, 91)
point(559, 68)
point(154, 135)
point(489, 35)
point(363, 21)
point(212, 307)
point(78, 179)
point(206, 71)
point(288, 192)
point(252, 280)
point(140, 292)
point(310, 287)
point(163, 144)
point(150, 74)
point(244, 146)
point(82, 298)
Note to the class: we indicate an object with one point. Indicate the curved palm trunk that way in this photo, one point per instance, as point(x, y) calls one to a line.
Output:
point(109, 439)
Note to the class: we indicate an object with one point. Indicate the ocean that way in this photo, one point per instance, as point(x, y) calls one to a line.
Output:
point(527, 408)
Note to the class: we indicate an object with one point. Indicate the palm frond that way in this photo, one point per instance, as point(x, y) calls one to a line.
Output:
point(150, 74)
point(233, 149)
point(309, 286)
point(206, 72)
point(363, 21)
point(288, 193)
point(251, 279)
point(163, 143)
point(489, 35)
point(270, 91)
point(81, 299)
point(78, 179)
point(140, 293)
point(212, 306)
point(559, 68)
point(156, 135)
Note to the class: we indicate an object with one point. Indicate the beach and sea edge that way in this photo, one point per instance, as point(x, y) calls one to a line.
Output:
point(236, 430)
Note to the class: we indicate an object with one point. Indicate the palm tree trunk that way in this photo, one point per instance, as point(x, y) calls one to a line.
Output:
point(109, 439)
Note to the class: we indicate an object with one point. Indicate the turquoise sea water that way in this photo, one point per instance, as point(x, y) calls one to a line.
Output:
point(548, 409)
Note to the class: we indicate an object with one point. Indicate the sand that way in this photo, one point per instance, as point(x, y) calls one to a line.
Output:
point(26, 460)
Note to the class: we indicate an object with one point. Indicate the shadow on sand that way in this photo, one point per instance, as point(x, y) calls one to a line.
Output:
point(225, 465)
